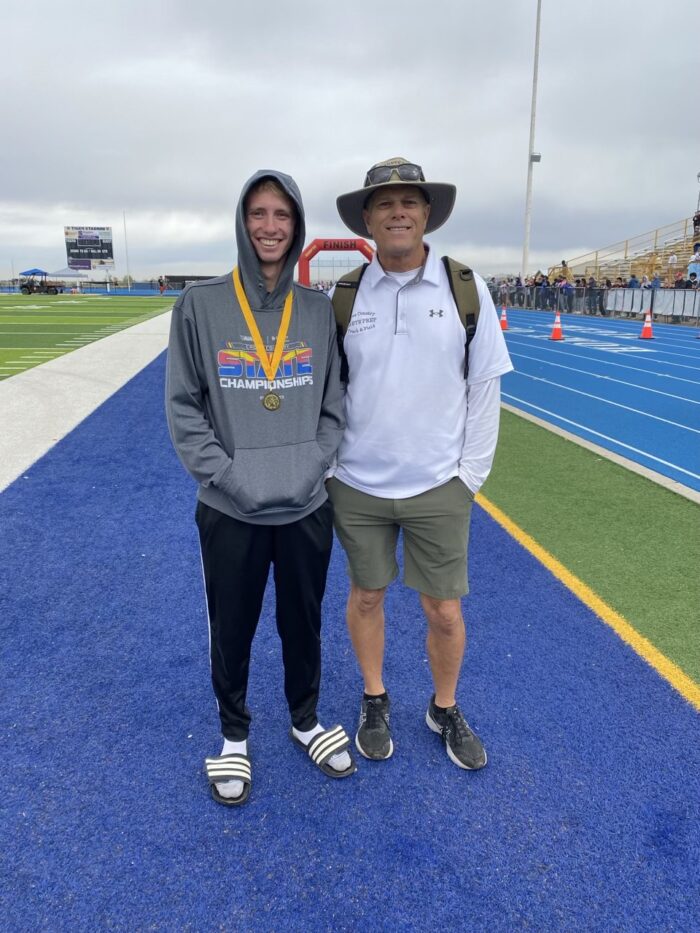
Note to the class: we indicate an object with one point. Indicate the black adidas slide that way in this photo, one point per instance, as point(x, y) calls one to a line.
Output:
point(323, 746)
point(229, 768)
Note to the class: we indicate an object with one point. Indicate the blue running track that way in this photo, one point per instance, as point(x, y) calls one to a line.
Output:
point(586, 818)
point(637, 398)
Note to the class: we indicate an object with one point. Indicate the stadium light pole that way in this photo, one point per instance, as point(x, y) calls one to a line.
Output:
point(126, 250)
point(532, 156)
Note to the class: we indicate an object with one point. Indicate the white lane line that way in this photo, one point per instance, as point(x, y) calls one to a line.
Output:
point(622, 459)
point(608, 401)
point(636, 369)
point(595, 321)
point(677, 337)
point(613, 440)
point(619, 343)
point(587, 372)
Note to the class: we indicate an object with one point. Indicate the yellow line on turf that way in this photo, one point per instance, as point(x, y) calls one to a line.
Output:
point(685, 685)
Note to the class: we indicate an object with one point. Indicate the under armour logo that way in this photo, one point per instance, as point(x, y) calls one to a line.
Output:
point(436, 313)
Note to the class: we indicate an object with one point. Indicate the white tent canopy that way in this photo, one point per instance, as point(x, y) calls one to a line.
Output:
point(67, 274)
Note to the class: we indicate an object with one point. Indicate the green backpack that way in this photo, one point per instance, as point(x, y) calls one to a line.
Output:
point(464, 292)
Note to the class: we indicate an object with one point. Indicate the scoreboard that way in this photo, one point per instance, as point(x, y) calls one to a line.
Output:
point(89, 247)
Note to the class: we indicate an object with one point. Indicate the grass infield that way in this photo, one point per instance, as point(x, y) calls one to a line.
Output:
point(37, 328)
point(636, 544)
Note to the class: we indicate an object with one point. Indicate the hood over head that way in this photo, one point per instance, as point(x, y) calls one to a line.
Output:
point(248, 262)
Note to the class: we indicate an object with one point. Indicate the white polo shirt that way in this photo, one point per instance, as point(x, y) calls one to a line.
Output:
point(406, 400)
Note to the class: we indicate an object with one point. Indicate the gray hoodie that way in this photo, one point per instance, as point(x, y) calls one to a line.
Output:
point(259, 466)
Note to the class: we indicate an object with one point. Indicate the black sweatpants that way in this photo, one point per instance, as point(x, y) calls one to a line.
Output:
point(236, 557)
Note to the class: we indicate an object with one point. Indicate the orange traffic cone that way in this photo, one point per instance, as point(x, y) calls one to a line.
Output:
point(504, 319)
point(646, 333)
point(556, 330)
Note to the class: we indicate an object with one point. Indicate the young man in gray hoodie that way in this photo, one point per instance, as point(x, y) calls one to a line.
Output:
point(255, 412)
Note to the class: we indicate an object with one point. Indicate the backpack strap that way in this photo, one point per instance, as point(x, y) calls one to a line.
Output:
point(343, 301)
point(466, 296)
point(462, 286)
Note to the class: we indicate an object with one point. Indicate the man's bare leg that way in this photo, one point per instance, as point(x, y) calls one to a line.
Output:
point(365, 615)
point(445, 642)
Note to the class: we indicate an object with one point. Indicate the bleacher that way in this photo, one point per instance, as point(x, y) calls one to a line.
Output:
point(646, 254)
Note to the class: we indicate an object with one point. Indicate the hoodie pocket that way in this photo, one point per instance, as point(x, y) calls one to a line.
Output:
point(276, 479)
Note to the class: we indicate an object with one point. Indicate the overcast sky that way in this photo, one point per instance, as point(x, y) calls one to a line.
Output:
point(159, 111)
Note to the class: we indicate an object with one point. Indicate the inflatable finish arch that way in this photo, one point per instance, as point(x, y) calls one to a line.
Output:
point(321, 245)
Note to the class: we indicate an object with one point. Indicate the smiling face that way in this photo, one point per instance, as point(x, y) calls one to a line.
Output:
point(270, 219)
point(396, 217)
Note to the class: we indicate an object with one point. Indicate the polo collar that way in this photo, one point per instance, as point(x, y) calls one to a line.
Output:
point(430, 272)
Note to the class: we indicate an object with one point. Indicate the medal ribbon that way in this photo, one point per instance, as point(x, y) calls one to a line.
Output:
point(269, 363)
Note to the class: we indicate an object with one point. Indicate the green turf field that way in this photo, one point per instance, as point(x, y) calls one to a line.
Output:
point(636, 544)
point(37, 328)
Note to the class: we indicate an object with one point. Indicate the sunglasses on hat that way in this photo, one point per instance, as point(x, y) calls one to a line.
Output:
point(380, 174)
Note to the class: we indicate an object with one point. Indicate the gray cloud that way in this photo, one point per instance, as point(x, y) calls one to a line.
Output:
point(162, 110)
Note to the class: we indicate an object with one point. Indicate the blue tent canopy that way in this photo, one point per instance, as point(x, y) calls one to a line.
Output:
point(34, 272)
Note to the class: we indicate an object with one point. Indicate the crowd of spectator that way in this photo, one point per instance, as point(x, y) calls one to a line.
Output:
point(565, 292)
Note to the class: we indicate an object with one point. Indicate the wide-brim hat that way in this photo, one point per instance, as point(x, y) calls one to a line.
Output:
point(439, 195)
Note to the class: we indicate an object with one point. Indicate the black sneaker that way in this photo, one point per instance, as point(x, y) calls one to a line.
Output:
point(463, 746)
point(373, 739)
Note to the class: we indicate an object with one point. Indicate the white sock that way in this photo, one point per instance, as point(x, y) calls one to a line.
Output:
point(232, 789)
point(339, 762)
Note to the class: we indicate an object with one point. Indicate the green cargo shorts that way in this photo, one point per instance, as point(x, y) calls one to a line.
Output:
point(435, 527)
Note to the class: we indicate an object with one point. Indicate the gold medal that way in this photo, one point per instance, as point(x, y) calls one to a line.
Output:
point(271, 401)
